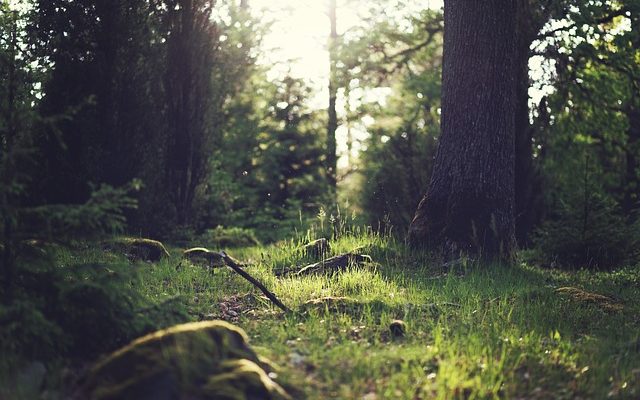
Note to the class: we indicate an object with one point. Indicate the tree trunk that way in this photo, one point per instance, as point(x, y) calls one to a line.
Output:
point(332, 126)
point(469, 205)
point(632, 181)
point(8, 255)
point(188, 85)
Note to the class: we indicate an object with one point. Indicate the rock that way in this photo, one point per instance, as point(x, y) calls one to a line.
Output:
point(317, 249)
point(195, 361)
point(397, 328)
point(582, 296)
point(139, 249)
point(201, 255)
point(335, 264)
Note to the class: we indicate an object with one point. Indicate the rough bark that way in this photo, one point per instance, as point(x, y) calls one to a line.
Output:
point(469, 205)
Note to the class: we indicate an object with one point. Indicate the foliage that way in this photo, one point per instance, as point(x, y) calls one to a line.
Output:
point(65, 308)
point(158, 121)
point(588, 122)
point(273, 173)
point(396, 158)
point(587, 233)
point(231, 237)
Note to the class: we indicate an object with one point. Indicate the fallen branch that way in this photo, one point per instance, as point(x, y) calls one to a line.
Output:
point(234, 265)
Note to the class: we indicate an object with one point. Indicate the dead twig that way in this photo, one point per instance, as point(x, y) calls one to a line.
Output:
point(234, 265)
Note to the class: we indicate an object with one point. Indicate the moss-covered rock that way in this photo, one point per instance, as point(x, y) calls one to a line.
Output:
point(204, 256)
point(582, 296)
point(138, 248)
point(202, 360)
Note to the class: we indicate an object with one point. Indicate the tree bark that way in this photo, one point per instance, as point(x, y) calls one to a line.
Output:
point(469, 205)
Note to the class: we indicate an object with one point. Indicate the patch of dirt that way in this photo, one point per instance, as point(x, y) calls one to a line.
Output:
point(230, 308)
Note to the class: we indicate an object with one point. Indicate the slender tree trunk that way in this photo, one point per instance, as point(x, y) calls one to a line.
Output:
point(469, 205)
point(632, 183)
point(630, 202)
point(332, 126)
point(8, 256)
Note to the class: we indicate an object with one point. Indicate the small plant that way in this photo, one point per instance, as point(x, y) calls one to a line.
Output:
point(592, 235)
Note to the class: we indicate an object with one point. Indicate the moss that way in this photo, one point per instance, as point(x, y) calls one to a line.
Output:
point(583, 296)
point(181, 360)
point(242, 379)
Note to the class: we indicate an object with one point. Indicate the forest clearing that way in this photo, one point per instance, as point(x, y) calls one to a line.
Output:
point(319, 199)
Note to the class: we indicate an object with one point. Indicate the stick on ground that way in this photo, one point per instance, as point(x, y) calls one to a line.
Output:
point(231, 263)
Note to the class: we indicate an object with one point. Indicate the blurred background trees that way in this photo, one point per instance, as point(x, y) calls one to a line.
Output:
point(176, 95)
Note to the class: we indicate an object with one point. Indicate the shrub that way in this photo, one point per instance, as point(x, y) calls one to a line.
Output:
point(64, 309)
point(230, 237)
point(593, 235)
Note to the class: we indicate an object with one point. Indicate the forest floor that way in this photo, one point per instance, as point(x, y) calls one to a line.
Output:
point(491, 332)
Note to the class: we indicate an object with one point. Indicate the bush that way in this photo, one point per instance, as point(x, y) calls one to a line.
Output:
point(26, 333)
point(230, 237)
point(63, 309)
point(95, 320)
point(595, 236)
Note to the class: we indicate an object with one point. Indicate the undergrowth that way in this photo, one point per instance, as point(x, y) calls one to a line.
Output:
point(475, 332)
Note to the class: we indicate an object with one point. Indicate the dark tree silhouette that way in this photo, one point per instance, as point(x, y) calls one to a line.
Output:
point(332, 125)
point(469, 205)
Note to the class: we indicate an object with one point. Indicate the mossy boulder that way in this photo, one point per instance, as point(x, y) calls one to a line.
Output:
point(195, 361)
point(582, 296)
point(138, 248)
point(204, 256)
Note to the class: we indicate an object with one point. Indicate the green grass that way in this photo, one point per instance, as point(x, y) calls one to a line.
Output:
point(473, 333)
point(491, 332)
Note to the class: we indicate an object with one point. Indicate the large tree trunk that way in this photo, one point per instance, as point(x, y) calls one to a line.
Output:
point(469, 205)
